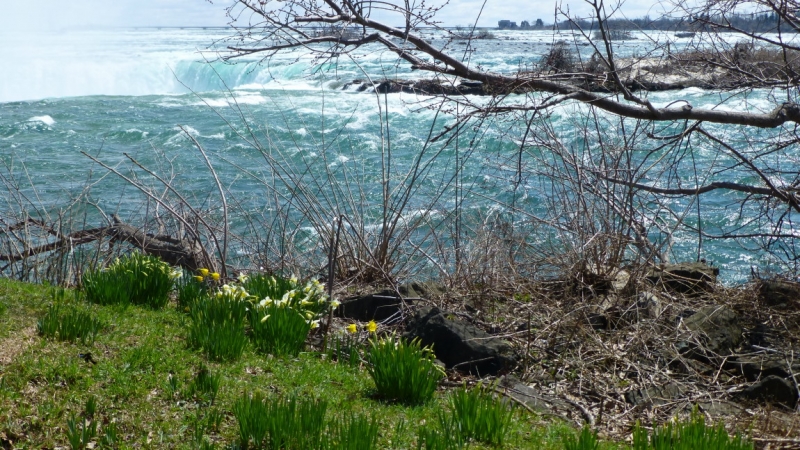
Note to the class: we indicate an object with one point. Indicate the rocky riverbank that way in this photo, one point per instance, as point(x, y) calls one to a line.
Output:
point(743, 68)
point(643, 345)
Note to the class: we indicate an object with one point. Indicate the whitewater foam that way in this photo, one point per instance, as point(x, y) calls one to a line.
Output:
point(47, 120)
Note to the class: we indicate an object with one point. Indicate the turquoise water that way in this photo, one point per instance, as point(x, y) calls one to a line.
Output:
point(142, 92)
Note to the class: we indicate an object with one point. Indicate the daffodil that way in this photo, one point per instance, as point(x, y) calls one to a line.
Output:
point(372, 326)
point(203, 272)
point(215, 276)
point(352, 329)
point(335, 304)
point(264, 319)
point(198, 278)
point(242, 278)
point(314, 324)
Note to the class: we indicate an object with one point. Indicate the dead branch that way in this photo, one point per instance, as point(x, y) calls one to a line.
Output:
point(175, 251)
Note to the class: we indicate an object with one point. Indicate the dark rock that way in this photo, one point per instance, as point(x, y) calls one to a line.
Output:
point(757, 367)
point(779, 293)
point(760, 335)
point(686, 278)
point(654, 395)
point(772, 389)
point(471, 88)
point(598, 321)
point(460, 345)
point(380, 306)
point(713, 331)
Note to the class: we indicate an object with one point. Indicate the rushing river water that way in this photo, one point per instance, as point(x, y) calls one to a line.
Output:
point(142, 91)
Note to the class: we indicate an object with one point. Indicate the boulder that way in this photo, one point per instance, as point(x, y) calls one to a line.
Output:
point(757, 367)
point(685, 278)
point(772, 389)
point(380, 306)
point(460, 345)
point(712, 331)
point(779, 293)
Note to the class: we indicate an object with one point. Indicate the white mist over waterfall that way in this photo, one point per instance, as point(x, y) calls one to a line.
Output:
point(45, 64)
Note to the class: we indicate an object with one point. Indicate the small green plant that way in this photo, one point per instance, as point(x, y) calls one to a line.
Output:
point(345, 350)
point(403, 371)
point(135, 278)
point(430, 438)
point(90, 408)
point(173, 385)
point(214, 419)
point(109, 438)
point(477, 415)
point(204, 386)
point(686, 435)
point(217, 325)
point(278, 330)
point(586, 440)
point(189, 291)
point(80, 432)
point(278, 423)
point(104, 287)
point(353, 433)
point(68, 323)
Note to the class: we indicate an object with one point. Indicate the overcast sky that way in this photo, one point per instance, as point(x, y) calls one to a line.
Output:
point(58, 15)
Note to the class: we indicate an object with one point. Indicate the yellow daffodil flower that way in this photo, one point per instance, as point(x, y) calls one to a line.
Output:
point(352, 329)
point(215, 276)
point(198, 278)
point(372, 326)
point(203, 272)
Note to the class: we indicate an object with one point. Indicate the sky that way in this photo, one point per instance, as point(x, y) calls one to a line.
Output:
point(57, 15)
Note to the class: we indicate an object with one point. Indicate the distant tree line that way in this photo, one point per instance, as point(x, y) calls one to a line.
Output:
point(751, 23)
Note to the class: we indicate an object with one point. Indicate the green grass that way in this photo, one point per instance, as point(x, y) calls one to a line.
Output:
point(146, 388)
point(136, 278)
point(69, 323)
point(217, 326)
point(278, 330)
point(403, 371)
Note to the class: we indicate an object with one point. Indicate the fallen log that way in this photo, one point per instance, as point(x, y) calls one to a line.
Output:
point(185, 253)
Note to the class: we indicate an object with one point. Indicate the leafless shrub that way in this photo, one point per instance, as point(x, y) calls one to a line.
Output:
point(560, 58)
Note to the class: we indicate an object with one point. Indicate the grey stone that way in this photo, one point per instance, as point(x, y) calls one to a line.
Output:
point(713, 331)
point(646, 307)
point(772, 389)
point(460, 345)
point(654, 395)
point(530, 397)
point(686, 278)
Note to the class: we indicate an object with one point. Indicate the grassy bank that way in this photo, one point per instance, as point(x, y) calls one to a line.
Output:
point(141, 375)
